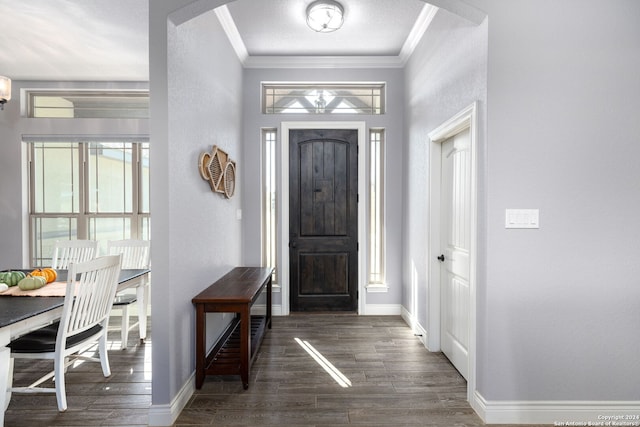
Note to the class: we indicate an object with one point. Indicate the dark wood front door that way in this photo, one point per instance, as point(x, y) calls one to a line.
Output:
point(323, 229)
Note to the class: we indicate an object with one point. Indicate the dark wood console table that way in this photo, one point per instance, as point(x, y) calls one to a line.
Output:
point(234, 352)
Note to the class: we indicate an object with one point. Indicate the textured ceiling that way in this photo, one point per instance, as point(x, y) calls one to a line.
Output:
point(74, 39)
point(371, 27)
point(108, 39)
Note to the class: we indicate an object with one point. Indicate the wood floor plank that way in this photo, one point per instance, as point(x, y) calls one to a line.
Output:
point(392, 380)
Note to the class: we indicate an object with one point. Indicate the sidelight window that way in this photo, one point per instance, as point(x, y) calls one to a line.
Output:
point(269, 219)
point(376, 209)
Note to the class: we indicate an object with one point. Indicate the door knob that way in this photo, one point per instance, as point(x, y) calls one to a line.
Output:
point(293, 244)
point(441, 258)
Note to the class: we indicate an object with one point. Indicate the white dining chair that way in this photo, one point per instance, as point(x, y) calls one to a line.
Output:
point(68, 251)
point(91, 287)
point(135, 255)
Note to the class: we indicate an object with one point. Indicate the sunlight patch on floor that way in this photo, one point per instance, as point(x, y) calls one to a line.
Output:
point(338, 376)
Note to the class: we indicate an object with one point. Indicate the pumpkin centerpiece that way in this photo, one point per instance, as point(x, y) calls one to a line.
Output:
point(11, 278)
point(48, 273)
point(30, 282)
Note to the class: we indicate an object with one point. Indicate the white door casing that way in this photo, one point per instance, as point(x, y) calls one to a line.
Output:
point(465, 119)
point(455, 198)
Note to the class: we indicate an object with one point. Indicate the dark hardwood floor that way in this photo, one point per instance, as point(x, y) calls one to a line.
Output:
point(390, 379)
point(123, 399)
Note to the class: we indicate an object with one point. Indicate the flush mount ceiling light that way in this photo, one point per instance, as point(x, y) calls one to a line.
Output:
point(5, 91)
point(325, 16)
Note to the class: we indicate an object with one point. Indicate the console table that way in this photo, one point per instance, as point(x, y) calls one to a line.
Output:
point(234, 352)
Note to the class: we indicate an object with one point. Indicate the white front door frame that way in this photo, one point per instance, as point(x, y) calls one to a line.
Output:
point(284, 204)
point(467, 118)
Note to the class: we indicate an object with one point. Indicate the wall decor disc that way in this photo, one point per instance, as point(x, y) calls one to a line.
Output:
point(219, 170)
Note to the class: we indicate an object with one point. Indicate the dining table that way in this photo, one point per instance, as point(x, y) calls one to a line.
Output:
point(22, 314)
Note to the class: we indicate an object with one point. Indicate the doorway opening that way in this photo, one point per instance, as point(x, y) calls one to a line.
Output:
point(464, 124)
point(285, 232)
point(323, 228)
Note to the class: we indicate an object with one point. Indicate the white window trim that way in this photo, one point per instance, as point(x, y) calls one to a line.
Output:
point(326, 86)
point(83, 215)
point(381, 286)
point(263, 176)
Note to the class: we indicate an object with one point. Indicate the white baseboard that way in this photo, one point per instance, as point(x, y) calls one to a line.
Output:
point(382, 310)
point(166, 415)
point(417, 328)
point(408, 317)
point(261, 309)
point(369, 309)
point(558, 413)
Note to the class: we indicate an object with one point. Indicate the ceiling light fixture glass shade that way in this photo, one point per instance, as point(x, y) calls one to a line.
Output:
point(325, 16)
point(5, 91)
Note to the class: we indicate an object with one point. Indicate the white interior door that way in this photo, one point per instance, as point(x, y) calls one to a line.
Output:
point(456, 237)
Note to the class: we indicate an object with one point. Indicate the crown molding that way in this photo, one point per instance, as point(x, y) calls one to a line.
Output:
point(231, 30)
point(427, 14)
point(323, 62)
point(415, 35)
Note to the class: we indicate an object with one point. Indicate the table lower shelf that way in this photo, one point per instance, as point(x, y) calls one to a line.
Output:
point(224, 358)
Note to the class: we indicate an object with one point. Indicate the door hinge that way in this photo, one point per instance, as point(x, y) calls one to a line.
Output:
point(358, 246)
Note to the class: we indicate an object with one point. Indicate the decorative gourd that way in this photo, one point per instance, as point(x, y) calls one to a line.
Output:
point(53, 273)
point(48, 273)
point(30, 282)
point(11, 278)
point(39, 273)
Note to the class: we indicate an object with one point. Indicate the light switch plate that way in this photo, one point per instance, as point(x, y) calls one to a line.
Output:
point(522, 218)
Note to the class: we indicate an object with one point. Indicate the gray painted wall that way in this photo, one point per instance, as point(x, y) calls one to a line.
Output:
point(392, 121)
point(559, 132)
point(446, 73)
point(559, 316)
point(196, 236)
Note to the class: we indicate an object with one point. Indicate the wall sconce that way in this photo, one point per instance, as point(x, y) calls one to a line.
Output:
point(5, 91)
point(325, 16)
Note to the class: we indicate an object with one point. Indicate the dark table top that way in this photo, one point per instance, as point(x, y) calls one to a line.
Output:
point(240, 285)
point(14, 309)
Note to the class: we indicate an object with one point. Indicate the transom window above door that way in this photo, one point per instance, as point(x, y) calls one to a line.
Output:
point(323, 98)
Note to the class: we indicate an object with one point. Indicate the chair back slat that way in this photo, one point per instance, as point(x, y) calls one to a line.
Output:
point(91, 287)
point(67, 251)
point(135, 253)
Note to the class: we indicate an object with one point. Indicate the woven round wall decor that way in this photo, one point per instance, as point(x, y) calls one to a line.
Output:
point(219, 170)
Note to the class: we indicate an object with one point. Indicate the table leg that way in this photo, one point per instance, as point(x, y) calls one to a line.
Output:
point(269, 286)
point(142, 293)
point(6, 371)
point(245, 344)
point(201, 355)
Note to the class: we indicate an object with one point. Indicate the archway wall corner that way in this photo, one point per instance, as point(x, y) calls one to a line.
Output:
point(460, 8)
